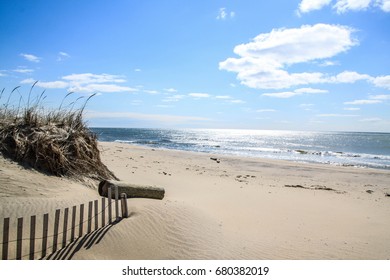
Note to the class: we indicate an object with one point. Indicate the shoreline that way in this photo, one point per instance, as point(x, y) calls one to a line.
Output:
point(250, 157)
point(222, 206)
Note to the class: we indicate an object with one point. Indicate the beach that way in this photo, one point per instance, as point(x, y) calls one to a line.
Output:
point(221, 206)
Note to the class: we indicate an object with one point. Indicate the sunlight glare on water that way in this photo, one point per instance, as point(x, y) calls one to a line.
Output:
point(339, 148)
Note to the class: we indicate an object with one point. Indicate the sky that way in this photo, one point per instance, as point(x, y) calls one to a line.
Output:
point(320, 65)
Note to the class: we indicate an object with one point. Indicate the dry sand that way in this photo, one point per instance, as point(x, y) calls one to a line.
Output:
point(229, 208)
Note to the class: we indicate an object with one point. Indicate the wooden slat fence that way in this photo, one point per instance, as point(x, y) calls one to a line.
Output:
point(16, 246)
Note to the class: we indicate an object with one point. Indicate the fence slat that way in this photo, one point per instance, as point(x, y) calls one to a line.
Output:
point(73, 223)
point(4, 255)
point(32, 237)
point(124, 205)
point(44, 234)
point(89, 216)
point(103, 211)
point(116, 203)
point(19, 239)
point(81, 220)
point(96, 214)
point(109, 205)
point(56, 226)
point(65, 228)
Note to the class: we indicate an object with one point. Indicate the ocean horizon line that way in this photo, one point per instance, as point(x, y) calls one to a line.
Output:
point(242, 129)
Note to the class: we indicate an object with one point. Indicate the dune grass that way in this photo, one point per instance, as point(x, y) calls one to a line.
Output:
point(55, 141)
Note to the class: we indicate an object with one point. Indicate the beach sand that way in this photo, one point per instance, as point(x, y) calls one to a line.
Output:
point(221, 207)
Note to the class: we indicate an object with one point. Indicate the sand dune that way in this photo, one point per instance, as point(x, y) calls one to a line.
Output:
point(221, 207)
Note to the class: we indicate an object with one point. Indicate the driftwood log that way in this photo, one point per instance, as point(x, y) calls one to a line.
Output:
point(131, 190)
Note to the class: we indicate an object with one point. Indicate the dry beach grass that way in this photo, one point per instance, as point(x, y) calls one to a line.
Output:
point(56, 141)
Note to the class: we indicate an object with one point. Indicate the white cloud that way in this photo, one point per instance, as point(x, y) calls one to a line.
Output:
point(31, 57)
point(306, 105)
point(351, 109)
point(336, 115)
point(382, 81)
point(237, 101)
point(223, 97)
point(343, 6)
point(145, 117)
point(327, 63)
point(310, 5)
point(363, 102)
point(137, 70)
point(171, 90)
point(300, 91)
point(86, 82)
point(265, 110)
point(173, 98)
point(381, 97)
point(384, 5)
point(28, 81)
point(223, 14)
point(101, 88)
point(55, 84)
point(23, 70)
point(297, 45)
point(351, 77)
point(199, 95)
point(86, 78)
point(262, 61)
point(151, 91)
point(285, 94)
point(52, 85)
point(62, 56)
point(310, 90)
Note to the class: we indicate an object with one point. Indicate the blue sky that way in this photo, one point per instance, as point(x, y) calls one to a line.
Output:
point(295, 65)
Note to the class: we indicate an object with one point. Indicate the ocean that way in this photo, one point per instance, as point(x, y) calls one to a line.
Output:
point(359, 149)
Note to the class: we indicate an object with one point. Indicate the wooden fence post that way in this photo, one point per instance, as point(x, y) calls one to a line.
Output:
point(19, 239)
point(109, 205)
point(44, 234)
point(96, 214)
point(55, 233)
point(89, 216)
point(116, 203)
point(81, 220)
point(4, 255)
point(103, 211)
point(125, 213)
point(32, 237)
point(73, 223)
point(65, 228)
